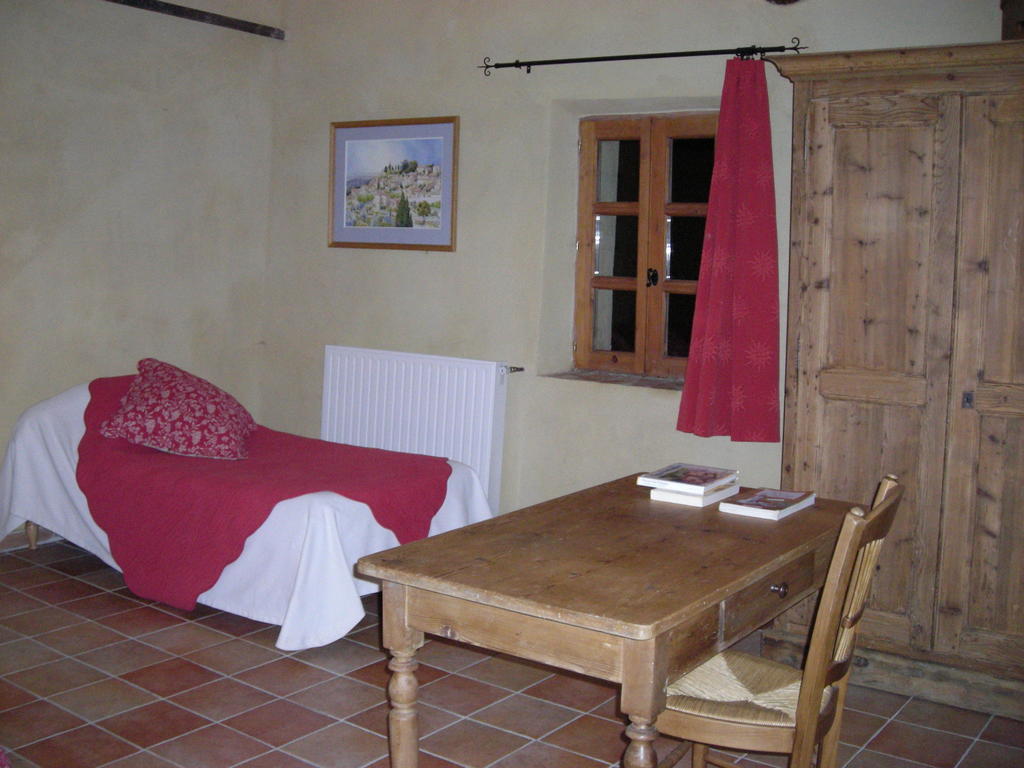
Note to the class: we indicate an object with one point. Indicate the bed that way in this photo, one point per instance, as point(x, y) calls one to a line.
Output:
point(295, 570)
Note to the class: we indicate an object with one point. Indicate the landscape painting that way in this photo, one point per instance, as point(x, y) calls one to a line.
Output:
point(393, 184)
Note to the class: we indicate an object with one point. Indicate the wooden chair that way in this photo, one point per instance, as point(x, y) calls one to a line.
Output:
point(748, 703)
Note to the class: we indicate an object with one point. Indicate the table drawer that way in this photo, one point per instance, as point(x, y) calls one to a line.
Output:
point(763, 600)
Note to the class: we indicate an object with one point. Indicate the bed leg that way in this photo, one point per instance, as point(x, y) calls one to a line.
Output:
point(32, 534)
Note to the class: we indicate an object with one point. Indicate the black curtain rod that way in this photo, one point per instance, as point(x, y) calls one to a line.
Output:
point(744, 52)
point(194, 14)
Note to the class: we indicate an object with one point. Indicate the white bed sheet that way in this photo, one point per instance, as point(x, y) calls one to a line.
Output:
point(296, 570)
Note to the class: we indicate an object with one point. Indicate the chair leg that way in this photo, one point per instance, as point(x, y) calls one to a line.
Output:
point(699, 755)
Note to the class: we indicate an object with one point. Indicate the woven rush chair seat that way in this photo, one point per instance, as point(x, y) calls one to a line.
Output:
point(738, 687)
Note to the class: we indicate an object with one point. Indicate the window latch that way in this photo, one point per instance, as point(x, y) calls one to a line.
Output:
point(652, 277)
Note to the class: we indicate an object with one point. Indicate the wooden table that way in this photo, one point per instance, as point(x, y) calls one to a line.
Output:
point(604, 582)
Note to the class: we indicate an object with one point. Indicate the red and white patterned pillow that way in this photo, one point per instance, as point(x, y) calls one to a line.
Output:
point(174, 411)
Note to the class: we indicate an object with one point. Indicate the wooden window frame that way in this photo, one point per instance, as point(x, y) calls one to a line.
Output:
point(654, 133)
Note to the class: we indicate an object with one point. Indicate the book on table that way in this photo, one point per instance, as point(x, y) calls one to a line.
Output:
point(688, 478)
point(724, 491)
point(768, 503)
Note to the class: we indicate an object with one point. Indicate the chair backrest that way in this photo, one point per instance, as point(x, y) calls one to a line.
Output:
point(841, 605)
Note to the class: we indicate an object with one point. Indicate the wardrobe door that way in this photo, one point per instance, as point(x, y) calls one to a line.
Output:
point(870, 327)
point(981, 587)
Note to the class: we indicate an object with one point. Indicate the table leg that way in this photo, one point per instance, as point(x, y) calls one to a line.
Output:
point(640, 752)
point(403, 728)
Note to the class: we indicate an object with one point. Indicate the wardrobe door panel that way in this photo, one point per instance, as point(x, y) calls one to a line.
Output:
point(981, 588)
point(871, 307)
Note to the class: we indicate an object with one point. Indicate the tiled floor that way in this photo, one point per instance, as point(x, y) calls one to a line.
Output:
point(92, 676)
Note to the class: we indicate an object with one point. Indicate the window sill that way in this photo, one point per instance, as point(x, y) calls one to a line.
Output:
point(625, 379)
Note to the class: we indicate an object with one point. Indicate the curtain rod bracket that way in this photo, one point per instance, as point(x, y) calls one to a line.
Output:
point(745, 52)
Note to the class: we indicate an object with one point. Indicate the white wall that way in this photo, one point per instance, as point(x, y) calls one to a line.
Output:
point(165, 193)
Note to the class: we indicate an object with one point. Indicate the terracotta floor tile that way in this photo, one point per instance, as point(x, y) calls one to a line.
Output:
point(85, 747)
point(55, 677)
point(230, 624)
point(123, 657)
point(221, 698)
point(43, 620)
point(858, 728)
point(212, 747)
point(279, 722)
point(182, 639)
point(341, 656)
point(80, 638)
point(592, 736)
point(140, 621)
point(424, 760)
point(507, 673)
point(142, 760)
point(526, 716)
point(12, 696)
point(170, 677)
point(340, 697)
point(22, 654)
point(449, 655)
point(10, 563)
point(97, 606)
point(232, 656)
point(460, 694)
point(153, 723)
point(8, 635)
point(984, 754)
point(33, 576)
point(574, 691)
point(284, 676)
point(276, 759)
point(1003, 730)
point(49, 553)
point(378, 674)
point(430, 719)
point(321, 748)
point(943, 717)
point(31, 722)
point(869, 759)
point(76, 566)
point(873, 701)
point(537, 754)
point(933, 748)
point(105, 698)
point(104, 579)
point(472, 744)
point(16, 602)
point(62, 591)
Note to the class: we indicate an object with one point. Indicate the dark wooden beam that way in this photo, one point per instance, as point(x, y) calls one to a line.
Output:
point(193, 14)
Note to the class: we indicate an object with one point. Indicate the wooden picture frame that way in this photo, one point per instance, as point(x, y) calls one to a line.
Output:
point(394, 183)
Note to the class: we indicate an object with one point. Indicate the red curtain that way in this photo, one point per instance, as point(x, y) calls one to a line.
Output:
point(732, 378)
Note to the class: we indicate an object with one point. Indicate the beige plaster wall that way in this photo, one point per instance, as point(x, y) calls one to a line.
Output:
point(506, 292)
point(165, 192)
point(134, 165)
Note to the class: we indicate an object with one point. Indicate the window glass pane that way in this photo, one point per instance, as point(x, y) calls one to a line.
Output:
point(614, 320)
point(615, 245)
point(618, 171)
point(684, 239)
point(679, 324)
point(690, 162)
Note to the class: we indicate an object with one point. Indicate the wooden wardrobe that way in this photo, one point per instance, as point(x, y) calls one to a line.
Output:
point(905, 350)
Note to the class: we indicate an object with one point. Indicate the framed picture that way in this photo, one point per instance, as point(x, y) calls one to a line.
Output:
point(393, 183)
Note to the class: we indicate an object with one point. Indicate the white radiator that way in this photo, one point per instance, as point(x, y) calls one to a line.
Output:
point(441, 406)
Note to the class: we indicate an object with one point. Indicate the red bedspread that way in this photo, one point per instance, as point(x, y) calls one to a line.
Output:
point(175, 522)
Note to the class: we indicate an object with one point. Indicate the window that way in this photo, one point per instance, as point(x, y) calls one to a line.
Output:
point(643, 200)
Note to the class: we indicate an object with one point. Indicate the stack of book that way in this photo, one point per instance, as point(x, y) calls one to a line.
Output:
point(692, 485)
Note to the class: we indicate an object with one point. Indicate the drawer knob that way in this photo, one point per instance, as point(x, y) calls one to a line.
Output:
point(780, 589)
